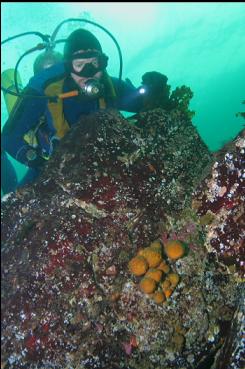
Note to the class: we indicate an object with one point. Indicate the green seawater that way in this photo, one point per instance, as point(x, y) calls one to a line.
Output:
point(200, 45)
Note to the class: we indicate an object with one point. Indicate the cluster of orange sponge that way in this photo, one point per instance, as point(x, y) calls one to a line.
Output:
point(158, 281)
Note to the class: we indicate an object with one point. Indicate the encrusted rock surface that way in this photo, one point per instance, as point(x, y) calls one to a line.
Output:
point(68, 298)
point(219, 201)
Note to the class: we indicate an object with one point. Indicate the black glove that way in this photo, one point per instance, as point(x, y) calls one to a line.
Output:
point(155, 81)
point(157, 90)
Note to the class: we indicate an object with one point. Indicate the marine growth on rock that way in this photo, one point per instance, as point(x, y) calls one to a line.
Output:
point(68, 297)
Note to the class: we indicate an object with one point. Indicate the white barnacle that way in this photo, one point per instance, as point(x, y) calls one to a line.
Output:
point(22, 316)
point(240, 142)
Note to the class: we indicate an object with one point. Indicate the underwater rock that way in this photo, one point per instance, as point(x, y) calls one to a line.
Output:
point(232, 352)
point(68, 298)
point(219, 201)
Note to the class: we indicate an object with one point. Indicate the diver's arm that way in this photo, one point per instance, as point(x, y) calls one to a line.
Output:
point(156, 93)
point(128, 96)
point(24, 116)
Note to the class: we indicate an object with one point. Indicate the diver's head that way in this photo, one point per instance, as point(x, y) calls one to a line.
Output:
point(84, 57)
point(46, 60)
point(80, 39)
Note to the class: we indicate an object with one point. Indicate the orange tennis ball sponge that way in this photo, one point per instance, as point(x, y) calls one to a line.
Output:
point(164, 267)
point(155, 274)
point(138, 265)
point(148, 285)
point(152, 256)
point(156, 245)
point(159, 297)
point(168, 292)
point(166, 284)
point(174, 279)
point(174, 249)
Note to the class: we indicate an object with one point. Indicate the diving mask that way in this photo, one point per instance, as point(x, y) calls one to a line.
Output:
point(87, 64)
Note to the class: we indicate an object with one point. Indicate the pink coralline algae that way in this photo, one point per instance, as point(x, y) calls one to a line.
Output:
point(220, 200)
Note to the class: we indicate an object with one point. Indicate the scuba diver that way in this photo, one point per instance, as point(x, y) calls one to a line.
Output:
point(56, 97)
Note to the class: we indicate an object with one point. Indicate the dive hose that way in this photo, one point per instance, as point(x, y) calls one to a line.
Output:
point(49, 43)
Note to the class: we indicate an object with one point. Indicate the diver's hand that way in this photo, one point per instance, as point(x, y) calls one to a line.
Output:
point(154, 81)
point(156, 91)
point(34, 160)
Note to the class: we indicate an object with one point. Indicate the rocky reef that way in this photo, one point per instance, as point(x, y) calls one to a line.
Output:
point(113, 187)
point(219, 201)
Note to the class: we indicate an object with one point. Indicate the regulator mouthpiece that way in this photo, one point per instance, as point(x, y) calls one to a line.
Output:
point(92, 88)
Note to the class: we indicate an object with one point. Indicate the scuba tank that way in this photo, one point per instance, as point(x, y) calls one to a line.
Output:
point(42, 61)
point(46, 59)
